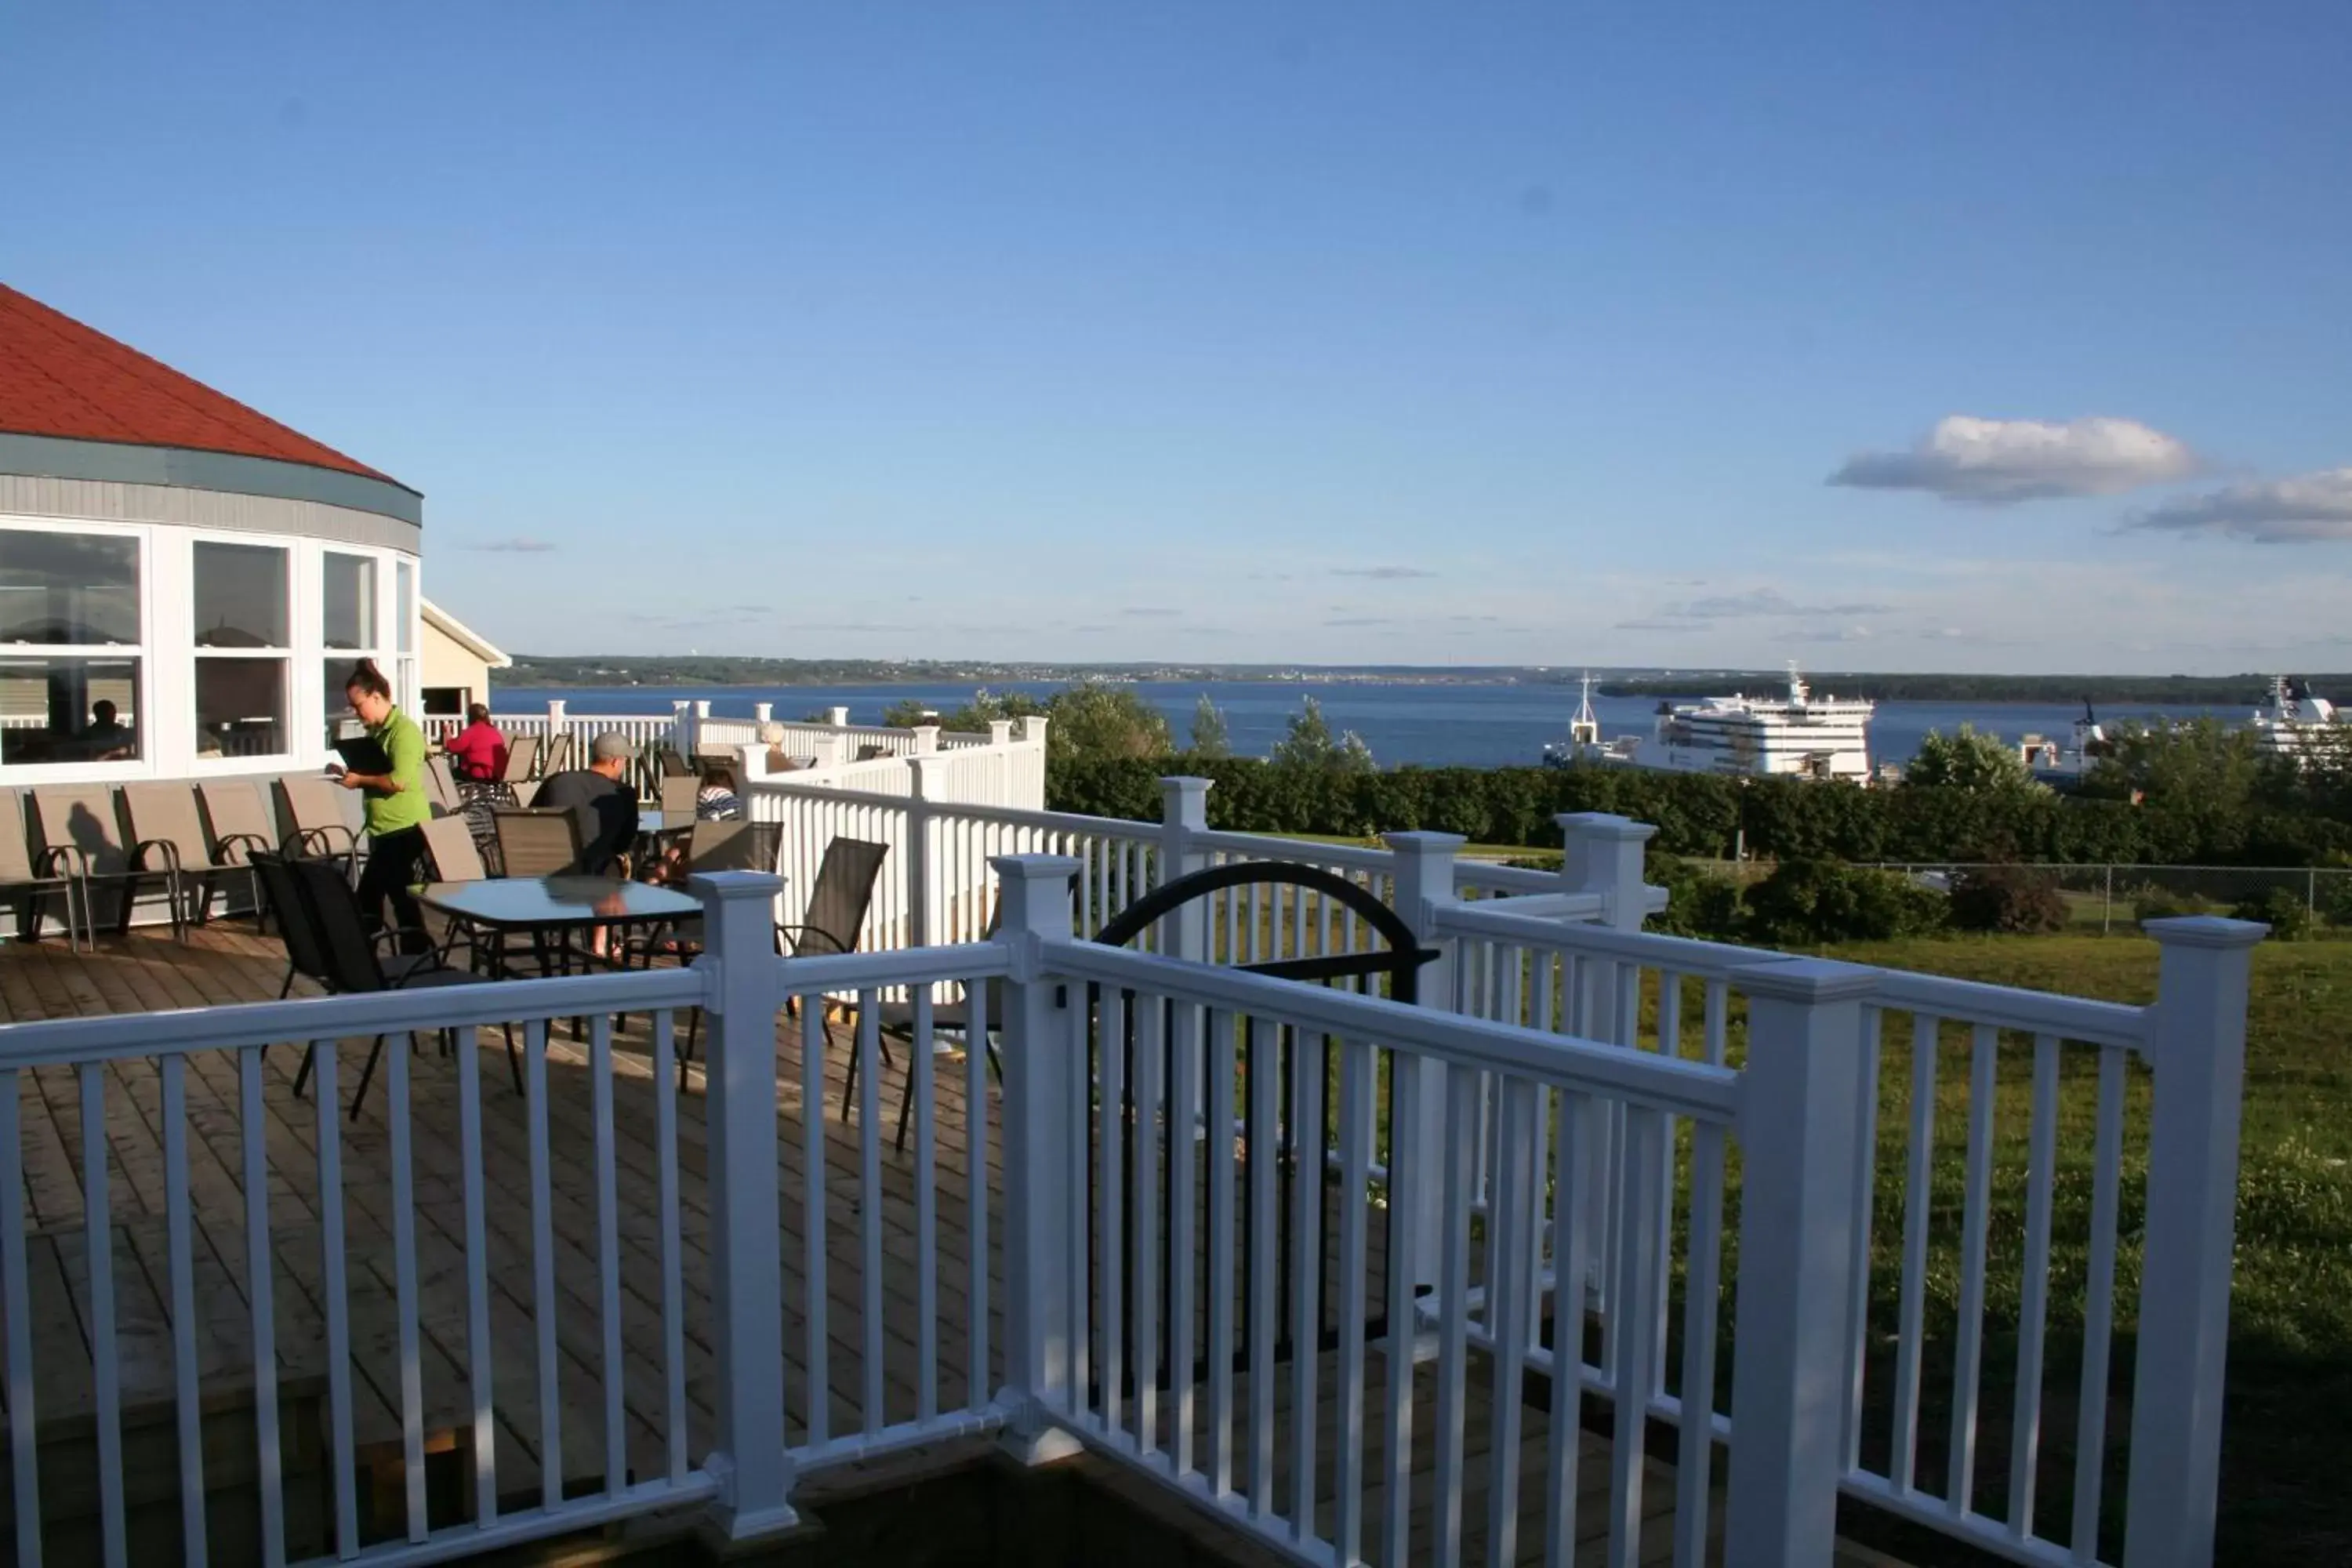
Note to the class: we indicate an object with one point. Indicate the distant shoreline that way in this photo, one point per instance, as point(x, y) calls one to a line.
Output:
point(613, 672)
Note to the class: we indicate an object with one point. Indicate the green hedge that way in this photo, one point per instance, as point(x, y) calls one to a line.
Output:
point(1700, 815)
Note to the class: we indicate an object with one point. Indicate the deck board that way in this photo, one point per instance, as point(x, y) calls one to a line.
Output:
point(227, 964)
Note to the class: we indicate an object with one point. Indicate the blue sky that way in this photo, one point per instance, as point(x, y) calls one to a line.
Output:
point(1415, 333)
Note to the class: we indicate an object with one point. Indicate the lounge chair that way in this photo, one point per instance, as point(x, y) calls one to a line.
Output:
point(314, 804)
point(237, 813)
point(537, 843)
point(78, 823)
point(166, 826)
point(557, 755)
point(523, 764)
point(352, 962)
point(35, 874)
point(441, 779)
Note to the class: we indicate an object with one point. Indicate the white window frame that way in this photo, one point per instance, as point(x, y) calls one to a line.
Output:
point(199, 764)
point(379, 587)
point(144, 765)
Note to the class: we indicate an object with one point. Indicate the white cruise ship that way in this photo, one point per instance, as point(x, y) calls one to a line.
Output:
point(2294, 723)
point(1796, 736)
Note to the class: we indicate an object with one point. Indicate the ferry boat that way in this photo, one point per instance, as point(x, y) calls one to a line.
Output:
point(2293, 722)
point(2053, 764)
point(1796, 736)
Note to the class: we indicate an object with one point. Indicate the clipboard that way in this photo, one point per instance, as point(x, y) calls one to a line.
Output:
point(364, 754)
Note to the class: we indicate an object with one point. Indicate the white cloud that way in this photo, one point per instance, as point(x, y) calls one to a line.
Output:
point(512, 546)
point(1761, 602)
point(1996, 462)
point(2306, 508)
point(1383, 574)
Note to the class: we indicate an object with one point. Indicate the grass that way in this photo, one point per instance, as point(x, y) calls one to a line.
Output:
point(2288, 1409)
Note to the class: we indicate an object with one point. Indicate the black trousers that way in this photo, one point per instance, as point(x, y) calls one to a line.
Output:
point(393, 866)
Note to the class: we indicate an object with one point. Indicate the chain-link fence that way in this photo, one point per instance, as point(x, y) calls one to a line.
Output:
point(2115, 899)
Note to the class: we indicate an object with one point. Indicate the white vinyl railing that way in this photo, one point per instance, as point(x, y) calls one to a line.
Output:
point(1229, 1204)
point(1962, 1092)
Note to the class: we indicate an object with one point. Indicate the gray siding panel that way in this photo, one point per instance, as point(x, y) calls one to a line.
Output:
point(180, 468)
point(111, 502)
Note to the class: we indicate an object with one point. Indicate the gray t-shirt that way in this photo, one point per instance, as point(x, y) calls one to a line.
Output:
point(607, 814)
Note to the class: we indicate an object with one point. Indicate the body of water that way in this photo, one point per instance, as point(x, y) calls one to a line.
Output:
point(1471, 726)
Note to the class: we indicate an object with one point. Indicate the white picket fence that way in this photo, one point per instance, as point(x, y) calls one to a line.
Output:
point(1567, 1101)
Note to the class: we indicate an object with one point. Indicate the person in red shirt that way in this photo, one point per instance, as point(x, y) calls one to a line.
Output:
point(478, 751)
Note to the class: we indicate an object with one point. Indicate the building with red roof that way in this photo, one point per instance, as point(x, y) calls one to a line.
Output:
point(184, 582)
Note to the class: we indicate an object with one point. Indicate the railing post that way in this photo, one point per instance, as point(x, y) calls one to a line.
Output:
point(740, 967)
point(1000, 732)
point(926, 740)
point(1603, 853)
point(681, 727)
point(1184, 812)
point(837, 717)
point(2197, 1046)
point(1424, 882)
point(1033, 729)
point(1044, 1151)
point(1797, 1214)
point(922, 897)
point(763, 712)
point(555, 724)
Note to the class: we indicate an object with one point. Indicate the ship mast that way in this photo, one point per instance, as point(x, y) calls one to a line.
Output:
point(1584, 730)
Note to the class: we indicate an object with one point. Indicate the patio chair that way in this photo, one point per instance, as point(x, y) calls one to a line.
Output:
point(441, 779)
point(305, 958)
point(450, 852)
point(353, 964)
point(832, 922)
point(673, 763)
point(537, 843)
point(79, 821)
point(314, 804)
point(166, 825)
point(522, 764)
point(556, 756)
point(238, 816)
point(679, 793)
point(34, 874)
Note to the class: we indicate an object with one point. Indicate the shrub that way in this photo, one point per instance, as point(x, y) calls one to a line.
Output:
point(1699, 902)
point(2155, 903)
point(2007, 898)
point(1804, 902)
point(2283, 910)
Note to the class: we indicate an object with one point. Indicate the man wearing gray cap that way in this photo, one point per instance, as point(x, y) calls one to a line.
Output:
point(606, 807)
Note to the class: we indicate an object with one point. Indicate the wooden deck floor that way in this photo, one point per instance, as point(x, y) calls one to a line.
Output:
point(227, 963)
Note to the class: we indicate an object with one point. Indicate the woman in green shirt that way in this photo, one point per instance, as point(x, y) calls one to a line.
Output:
point(396, 806)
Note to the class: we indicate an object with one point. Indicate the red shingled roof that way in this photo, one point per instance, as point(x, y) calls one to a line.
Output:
point(59, 377)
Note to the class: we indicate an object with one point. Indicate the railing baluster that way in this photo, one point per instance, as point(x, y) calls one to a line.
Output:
point(255, 1151)
point(1264, 1161)
point(1110, 1152)
point(665, 1087)
point(1219, 1152)
point(478, 1349)
point(608, 1253)
point(975, 1080)
point(542, 1259)
point(1183, 1164)
point(179, 1240)
point(23, 1446)
point(1632, 1367)
point(1461, 1095)
point(1694, 1442)
point(869, 1199)
point(1143, 1222)
point(1510, 1287)
point(106, 1381)
point(1308, 1088)
point(1571, 1175)
point(327, 1118)
point(1080, 1181)
point(1917, 1207)
point(1355, 1086)
point(819, 1356)
point(404, 1252)
point(1404, 1312)
point(1967, 1355)
point(2041, 1176)
point(2098, 1305)
point(920, 1066)
point(1865, 1181)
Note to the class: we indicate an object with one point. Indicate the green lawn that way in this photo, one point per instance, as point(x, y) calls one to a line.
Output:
point(2289, 1408)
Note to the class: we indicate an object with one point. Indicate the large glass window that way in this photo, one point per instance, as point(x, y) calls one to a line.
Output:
point(404, 606)
point(70, 624)
point(243, 645)
point(347, 592)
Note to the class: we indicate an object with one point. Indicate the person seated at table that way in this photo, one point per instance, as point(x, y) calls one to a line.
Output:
point(772, 735)
point(606, 807)
point(478, 751)
point(717, 801)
